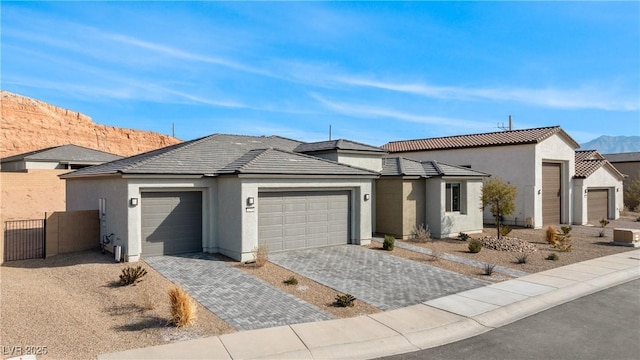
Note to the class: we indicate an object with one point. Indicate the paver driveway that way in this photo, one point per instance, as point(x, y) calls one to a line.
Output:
point(375, 277)
point(240, 299)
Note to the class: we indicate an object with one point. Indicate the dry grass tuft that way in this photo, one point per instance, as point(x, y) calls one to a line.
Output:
point(551, 235)
point(261, 255)
point(183, 309)
point(147, 300)
point(420, 234)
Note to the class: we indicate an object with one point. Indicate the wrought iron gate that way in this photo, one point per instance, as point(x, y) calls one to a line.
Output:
point(24, 239)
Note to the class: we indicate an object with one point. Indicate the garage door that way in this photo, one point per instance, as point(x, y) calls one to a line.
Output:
point(171, 222)
point(551, 191)
point(597, 205)
point(299, 220)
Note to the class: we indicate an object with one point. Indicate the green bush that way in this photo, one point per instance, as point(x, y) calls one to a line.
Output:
point(345, 300)
point(475, 246)
point(488, 269)
point(291, 281)
point(388, 243)
point(522, 258)
point(552, 257)
point(463, 236)
point(131, 275)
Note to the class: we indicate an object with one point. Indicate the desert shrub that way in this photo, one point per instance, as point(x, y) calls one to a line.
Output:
point(504, 230)
point(183, 309)
point(522, 258)
point(345, 300)
point(552, 257)
point(563, 239)
point(488, 269)
point(463, 236)
point(388, 243)
point(132, 275)
point(291, 281)
point(420, 234)
point(261, 255)
point(475, 246)
point(551, 235)
point(603, 224)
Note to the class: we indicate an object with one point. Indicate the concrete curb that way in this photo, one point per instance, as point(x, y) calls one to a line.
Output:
point(433, 323)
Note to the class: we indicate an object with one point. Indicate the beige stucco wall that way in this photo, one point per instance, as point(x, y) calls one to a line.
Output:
point(365, 161)
point(603, 178)
point(413, 197)
point(389, 206)
point(520, 165)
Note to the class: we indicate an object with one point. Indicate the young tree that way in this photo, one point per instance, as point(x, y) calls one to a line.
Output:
point(501, 197)
point(632, 192)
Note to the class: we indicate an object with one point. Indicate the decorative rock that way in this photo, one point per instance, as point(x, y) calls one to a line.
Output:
point(507, 244)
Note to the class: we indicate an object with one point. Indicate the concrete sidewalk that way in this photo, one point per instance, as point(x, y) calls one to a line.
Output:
point(433, 323)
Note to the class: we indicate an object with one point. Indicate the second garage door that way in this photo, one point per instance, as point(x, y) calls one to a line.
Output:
point(299, 220)
point(597, 205)
point(171, 222)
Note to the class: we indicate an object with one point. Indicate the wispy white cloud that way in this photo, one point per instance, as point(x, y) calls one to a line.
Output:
point(374, 112)
point(583, 97)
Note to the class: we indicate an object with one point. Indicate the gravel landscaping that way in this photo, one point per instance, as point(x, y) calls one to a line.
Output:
point(72, 305)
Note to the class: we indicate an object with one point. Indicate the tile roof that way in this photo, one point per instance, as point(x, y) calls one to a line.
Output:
point(221, 154)
point(399, 166)
point(501, 138)
point(623, 157)
point(588, 161)
point(65, 153)
point(276, 161)
point(339, 144)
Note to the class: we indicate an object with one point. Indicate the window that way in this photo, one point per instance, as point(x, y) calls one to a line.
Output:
point(452, 197)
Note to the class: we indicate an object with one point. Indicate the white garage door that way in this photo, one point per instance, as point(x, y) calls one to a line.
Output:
point(171, 222)
point(299, 220)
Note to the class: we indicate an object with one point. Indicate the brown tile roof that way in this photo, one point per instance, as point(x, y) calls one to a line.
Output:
point(501, 138)
point(588, 161)
point(623, 157)
point(399, 166)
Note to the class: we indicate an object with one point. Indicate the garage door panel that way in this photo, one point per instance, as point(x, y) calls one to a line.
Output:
point(309, 219)
point(171, 222)
point(597, 205)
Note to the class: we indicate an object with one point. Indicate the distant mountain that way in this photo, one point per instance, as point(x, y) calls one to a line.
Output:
point(613, 144)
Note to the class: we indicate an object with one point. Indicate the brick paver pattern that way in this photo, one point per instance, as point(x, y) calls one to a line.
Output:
point(240, 299)
point(375, 277)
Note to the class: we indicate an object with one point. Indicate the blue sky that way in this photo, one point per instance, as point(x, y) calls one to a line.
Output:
point(375, 72)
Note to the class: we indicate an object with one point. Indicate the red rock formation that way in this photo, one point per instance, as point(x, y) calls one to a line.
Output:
point(28, 124)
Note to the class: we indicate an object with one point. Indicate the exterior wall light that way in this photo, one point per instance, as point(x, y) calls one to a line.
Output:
point(366, 197)
point(586, 191)
point(250, 201)
point(539, 191)
point(617, 189)
point(133, 201)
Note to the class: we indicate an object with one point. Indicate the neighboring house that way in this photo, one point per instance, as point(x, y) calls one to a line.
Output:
point(346, 152)
point(59, 157)
point(628, 164)
point(540, 162)
point(597, 188)
point(443, 198)
point(227, 194)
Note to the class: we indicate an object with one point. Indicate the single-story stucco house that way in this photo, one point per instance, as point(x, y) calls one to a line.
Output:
point(598, 188)
point(540, 162)
point(443, 198)
point(227, 194)
point(59, 157)
point(629, 165)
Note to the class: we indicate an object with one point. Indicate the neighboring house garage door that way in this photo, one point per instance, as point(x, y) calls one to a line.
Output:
point(551, 193)
point(597, 205)
point(171, 222)
point(299, 220)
